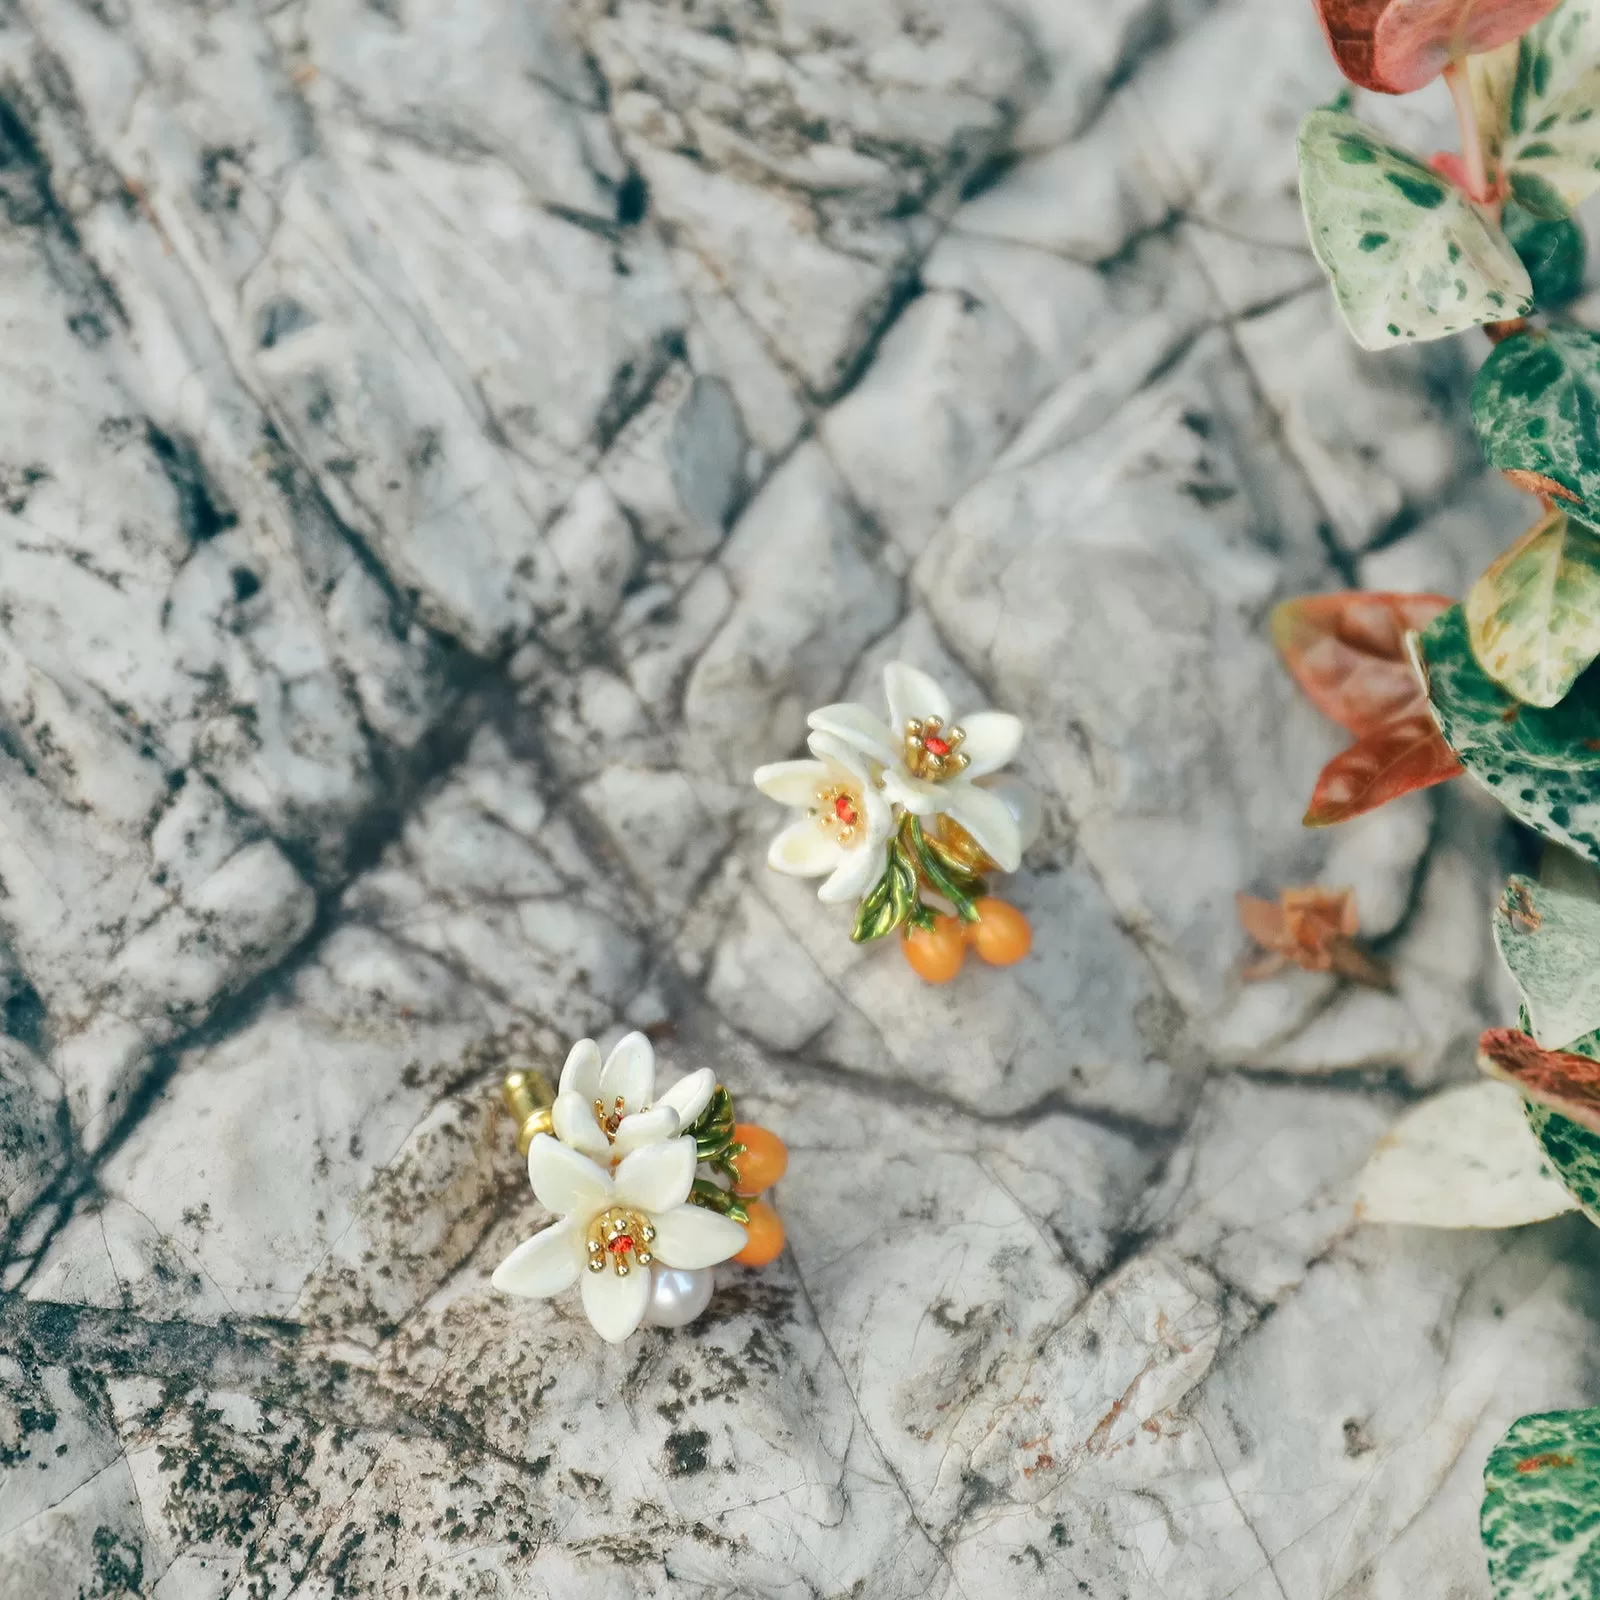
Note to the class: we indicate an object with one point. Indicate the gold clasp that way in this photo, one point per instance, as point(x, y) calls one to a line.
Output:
point(528, 1097)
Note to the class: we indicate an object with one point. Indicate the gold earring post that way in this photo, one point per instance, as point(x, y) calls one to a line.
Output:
point(528, 1097)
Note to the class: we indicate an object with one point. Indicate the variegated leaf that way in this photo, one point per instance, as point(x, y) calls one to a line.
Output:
point(1534, 616)
point(1536, 101)
point(1542, 766)
point(1464, 1158)
point(1409, 255)
point(1540, 1522)
point(1549, 938)
point(1560, 1080)
point(1536, 406)
point(1554, 253)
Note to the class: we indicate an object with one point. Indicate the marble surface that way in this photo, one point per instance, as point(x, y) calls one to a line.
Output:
point(448, 444)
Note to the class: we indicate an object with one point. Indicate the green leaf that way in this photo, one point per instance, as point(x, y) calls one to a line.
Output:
point(1570, 1148)
point(1553, 253)
point(1542, 766)
point(1538, 196)
point(944, 877)
point(1540, 1522)
point(1548, 936)
point(1537, 100)
point(891, 901)
point(1572, 1151)
point(1536, 406)
point(1409, 255)
point(1534, 616)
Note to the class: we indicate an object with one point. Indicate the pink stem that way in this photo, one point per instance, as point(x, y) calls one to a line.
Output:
point(1455, 76)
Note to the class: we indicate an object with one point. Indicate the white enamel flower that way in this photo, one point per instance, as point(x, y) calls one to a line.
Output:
point(607, 1112)
point(845, 824)
point(929, 762)
point(610, 1229)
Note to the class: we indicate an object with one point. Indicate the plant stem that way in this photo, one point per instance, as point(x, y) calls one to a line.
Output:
point(1455, 76)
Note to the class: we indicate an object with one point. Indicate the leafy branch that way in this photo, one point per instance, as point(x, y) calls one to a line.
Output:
point(916, 860)
point(1417, 249)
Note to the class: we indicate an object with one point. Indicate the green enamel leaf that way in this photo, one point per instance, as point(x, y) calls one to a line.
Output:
point(1540, 1522)
point(1542, 766)
point(1409, 255)
point(1539, 100)
point(1534, 616)
point(1553, 253)
point(891, 901)
point(1536, 406)
point(1548, 936)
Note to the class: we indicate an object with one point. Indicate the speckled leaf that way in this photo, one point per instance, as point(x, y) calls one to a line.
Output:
point(1572, 1151)
point(1536, 405)
point(1536, 101)
point(1542, 766)
point(1540, 1522)
point(1553, 253)
point(1560, 1080)
point(1549, 938)
point(1395, 46)
point(1464, 1158)
point(1534, 616)
point(1347, 652)
point(1409, 255)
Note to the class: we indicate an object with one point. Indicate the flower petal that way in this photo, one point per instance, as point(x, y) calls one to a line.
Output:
point(630, 1074)
point(581, 1074)
point(792, 783)
point(858, 728)
point(645, 1127)
point(543, 1265)
point(573, 1118)
point(855, 874)
point(803, 850)
point(992, 739)
point(692, 1236)
point(616, 1306)
point(841, 762)
point(913, 696)
point(567, 1183)
point(988, 819)
point(656, 1177)
point(690, 1095)
point(915, 794)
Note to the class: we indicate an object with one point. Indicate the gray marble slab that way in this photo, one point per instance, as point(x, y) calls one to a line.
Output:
point(447, 445)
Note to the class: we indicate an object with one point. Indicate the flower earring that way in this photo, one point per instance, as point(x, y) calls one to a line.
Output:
point(893, 816)
point(649, 1192)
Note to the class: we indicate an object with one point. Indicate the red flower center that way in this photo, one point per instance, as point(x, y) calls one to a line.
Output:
point(844, 809)
point(621, 1244)
point(935, 746)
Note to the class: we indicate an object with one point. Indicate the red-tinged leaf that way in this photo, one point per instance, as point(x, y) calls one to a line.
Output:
point(1547, 489)
point(1347, 651)
point(1395, 46)
point(1407, 753)
point(1559, 1079)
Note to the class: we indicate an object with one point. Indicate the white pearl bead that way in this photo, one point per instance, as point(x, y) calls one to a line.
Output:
point(1021, 802)
point(677, 1295)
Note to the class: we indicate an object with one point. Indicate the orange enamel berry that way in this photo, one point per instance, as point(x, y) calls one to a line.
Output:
point(935, 953)
point(765, 1159)
point(765, 1228)
point(1001, 934)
